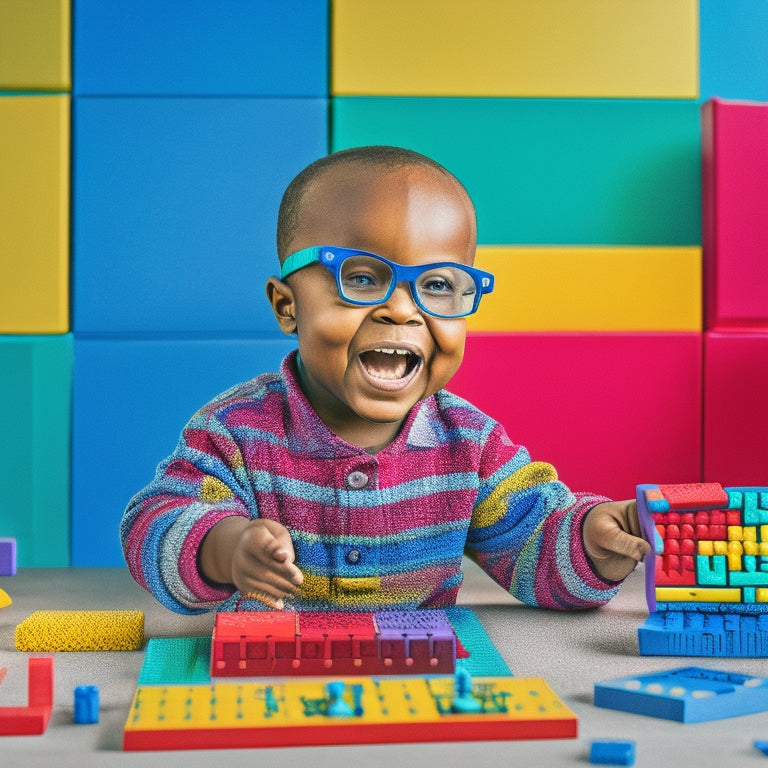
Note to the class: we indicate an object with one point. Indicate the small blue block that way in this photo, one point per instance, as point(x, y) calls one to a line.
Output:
point(612, 753)
point(762, 746)
point(86, 704)
point(7, 557)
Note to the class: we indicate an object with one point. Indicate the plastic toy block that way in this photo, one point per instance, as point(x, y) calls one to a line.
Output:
point(550, 393)
point(187, 660)
point(735, 407)
point(686, 694)
point(86, 704)
point(33, 719)
point(34, 213)
point(180, 48)
point(81, 631)
point(694, 496)
point(762, 746)
point(515, 49)
point(35, 45)
point(169, 149)
point(35, 447)
point(735, 214)
point(733, 56)
point(308, 643)
point(582, 181)
point(612, 753)
point(7, 557)
point(5, 599)
point(357, 710)
point(590, 289)
point(126, 371)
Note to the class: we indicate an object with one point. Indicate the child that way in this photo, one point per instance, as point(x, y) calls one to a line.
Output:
point(351, 479)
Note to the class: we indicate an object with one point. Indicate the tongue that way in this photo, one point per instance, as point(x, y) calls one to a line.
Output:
point(381, 365)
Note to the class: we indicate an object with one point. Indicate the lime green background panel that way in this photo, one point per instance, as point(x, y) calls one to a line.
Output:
point(35, 42)
point(36, 392)
point(552, 171)
point(523, 48)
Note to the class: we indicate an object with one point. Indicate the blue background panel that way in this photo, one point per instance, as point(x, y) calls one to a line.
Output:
point(734, 49)
point(36, 392)
point(186, 47)
point(552, 171)
point(132, 399)
point(175, 209)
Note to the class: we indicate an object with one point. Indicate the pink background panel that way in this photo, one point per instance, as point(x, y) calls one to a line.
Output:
point(736, 408)
point(735, 214)
point(608, 410)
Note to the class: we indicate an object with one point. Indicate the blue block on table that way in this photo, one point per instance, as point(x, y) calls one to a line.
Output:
point(132, 399)
point(175, 209)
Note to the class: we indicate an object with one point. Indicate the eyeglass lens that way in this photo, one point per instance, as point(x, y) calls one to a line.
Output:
point(445, 290)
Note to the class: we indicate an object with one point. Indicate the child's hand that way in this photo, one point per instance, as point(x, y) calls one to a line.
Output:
point(612, 539)
point(256, 556)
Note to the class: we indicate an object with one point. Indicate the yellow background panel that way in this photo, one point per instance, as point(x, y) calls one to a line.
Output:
point(523, 48)
point(35, 45)
point(34, 214)
point(569, 288)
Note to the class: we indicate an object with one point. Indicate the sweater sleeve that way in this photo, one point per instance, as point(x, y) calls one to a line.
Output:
point(161, 530)
point(526, 531)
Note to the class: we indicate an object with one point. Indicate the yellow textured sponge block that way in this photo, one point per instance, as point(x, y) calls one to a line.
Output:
point(81, 631)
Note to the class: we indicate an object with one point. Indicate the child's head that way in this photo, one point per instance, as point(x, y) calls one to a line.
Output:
point(365, 365)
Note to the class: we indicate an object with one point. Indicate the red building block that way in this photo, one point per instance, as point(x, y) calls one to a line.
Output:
point(33, 719)
point(608, 410)
point(735, 214)
point(736, 408)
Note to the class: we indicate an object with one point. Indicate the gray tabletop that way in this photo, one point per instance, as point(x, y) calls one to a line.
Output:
point(571, 651)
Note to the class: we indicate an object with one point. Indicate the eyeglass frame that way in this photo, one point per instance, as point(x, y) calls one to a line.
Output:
point(333, 257)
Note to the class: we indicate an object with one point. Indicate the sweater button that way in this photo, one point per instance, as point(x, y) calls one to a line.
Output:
point(357, 480)
point(353, 556)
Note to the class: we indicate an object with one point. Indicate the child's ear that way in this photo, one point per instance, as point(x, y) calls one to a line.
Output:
point(283, 304)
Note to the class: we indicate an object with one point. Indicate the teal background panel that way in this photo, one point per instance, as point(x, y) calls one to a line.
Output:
point(552, 171)
point(734, 49)
point(175, 208)
point(36, 390)
point(132, 399)
point(178, 47)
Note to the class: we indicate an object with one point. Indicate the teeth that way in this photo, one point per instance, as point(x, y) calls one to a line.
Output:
point(389, 351)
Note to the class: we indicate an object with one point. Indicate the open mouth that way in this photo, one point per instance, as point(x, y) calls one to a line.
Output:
point(389, 364)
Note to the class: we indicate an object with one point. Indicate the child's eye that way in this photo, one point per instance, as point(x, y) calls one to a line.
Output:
point(361, 281)
point(437, 285)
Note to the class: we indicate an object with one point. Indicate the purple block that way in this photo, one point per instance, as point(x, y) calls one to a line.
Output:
point(7, 557)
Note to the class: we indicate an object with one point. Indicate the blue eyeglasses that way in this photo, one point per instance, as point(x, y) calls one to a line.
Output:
point(444, 289)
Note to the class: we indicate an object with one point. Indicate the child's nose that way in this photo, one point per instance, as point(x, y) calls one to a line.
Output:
point(399, 307)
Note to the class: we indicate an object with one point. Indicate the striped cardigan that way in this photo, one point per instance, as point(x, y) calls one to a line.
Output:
point(370, 532)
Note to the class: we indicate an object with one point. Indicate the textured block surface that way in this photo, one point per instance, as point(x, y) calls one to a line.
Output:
point(735, 214)
point(81, 631)
point(34, 214)
point(516, 49)
point(239, 47)
point(36, 383)
point(552, 171)
point(735, 408)
point(590, 289)
point(132, 398)
point(572, 399)
point(35, 45)
point(182, 238)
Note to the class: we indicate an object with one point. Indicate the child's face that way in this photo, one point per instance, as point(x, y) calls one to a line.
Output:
point(411, 216)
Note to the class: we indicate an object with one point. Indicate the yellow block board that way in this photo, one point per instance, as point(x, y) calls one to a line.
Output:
point(516, 48)
point(34, 214)
point(583, 288)
point(35, 42)
point(698, 594)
